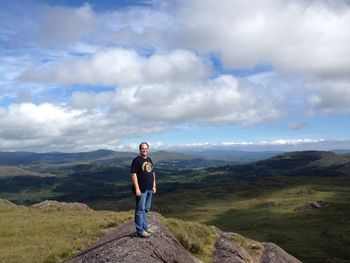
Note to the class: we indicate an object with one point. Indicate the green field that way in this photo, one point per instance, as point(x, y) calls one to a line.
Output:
point(270, 209)
point(266, 210)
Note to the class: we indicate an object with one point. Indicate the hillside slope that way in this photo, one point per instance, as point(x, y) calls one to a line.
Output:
point(304, 163)
point(7, 171)
point(27, 158)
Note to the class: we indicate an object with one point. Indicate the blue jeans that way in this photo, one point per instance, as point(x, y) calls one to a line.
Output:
point(143, 205)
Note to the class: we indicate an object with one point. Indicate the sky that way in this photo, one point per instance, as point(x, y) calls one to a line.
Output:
point(196, 74)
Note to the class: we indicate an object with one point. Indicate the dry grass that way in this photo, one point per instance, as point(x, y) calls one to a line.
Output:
point(33, 235)
point(197, 238)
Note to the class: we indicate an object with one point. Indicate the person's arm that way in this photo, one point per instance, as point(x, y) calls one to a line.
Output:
point(154, 183)
point(136, 184)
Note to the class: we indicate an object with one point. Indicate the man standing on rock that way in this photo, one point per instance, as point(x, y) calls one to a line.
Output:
point(144, 186)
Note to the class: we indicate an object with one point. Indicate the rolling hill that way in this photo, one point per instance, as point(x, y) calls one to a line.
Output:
point(27, 158)
point(163, 159)
point(7, 171)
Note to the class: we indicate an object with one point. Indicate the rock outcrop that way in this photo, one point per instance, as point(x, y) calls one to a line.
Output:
point(315, 204)
point(122, 245)
point(275, 254)
point(234, 248)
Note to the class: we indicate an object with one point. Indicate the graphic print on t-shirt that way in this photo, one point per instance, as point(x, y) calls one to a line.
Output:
point(146, 166)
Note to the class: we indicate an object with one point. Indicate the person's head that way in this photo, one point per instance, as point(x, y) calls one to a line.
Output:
point(143, 147)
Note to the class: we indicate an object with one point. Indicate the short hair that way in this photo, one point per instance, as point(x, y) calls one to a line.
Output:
point(143, 143)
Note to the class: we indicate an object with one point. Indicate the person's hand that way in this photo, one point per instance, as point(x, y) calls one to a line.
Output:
point(154, 189)
point(138, 192)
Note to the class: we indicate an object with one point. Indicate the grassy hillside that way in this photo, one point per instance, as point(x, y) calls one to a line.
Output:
point(53, 234)
point(50, 235)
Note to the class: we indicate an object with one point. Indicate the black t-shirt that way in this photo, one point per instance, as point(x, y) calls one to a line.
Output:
point(143, 168)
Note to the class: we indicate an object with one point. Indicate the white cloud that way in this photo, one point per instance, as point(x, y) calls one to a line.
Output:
point(122, 66)
point(302, 36)
point(164, 77)
point(46, 127)
point(29, 121)
point(59, 25)
point(11, 67)
point(104, 68)
point(221, 100)
point(310, 37)
point(290, 141)
point(36, 24)
point(177, 65)
point(296, 125)
point(153, 93)
point(272, 143)
point(176, 82)
point(329, 96)
point(296, 144)
point(218, 101)
point(143, 26)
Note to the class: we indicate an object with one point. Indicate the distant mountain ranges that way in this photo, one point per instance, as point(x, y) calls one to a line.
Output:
point(43, 164)
point(304, 163)
point(164, 160)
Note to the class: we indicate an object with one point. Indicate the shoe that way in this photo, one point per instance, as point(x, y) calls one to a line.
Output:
point(144, 234)
point(149, 231)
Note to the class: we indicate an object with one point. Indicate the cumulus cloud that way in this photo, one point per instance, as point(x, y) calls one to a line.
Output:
point(304, 36)
point(61, 25)
point(177, 82)
point(152, 94)
point(293, 36)
point(104, 68)
point(329, 96)
point(40, 25)
point(122, 66)
point(141, 26)
point(47, 127)
point(23, 121)
point(220, 100)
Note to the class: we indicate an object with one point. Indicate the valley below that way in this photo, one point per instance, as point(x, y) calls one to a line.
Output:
point(298, 200)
